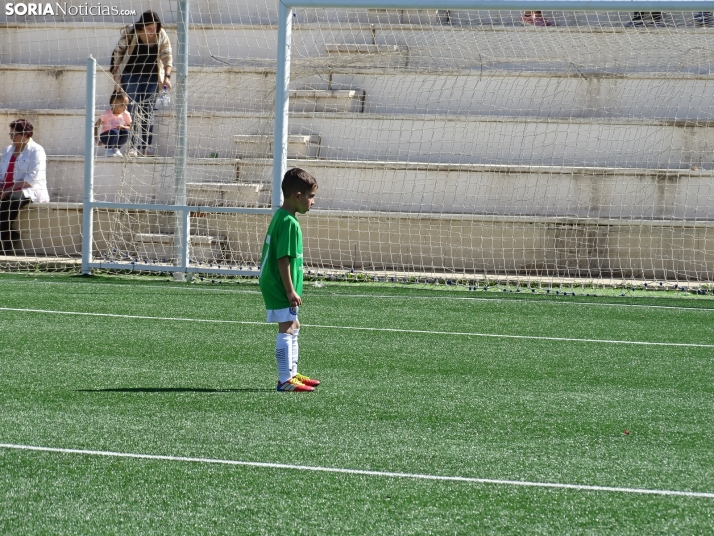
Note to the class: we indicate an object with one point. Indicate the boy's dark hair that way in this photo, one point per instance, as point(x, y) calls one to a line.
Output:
point(22, 126)
point(117, 95)
point(297, 180)
point(148, 17)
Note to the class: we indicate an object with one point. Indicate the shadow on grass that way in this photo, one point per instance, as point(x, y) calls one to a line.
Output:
point(172, 390)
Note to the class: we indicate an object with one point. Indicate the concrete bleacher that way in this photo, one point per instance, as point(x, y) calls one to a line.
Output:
point(608, 142)
point(233, 45)
point(624, 157)
point(590, 94)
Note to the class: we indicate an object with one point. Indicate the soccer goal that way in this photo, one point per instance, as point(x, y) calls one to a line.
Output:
point(463, 139)
point(536, 143)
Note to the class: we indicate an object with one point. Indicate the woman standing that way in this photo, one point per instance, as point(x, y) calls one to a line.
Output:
point(141, 66)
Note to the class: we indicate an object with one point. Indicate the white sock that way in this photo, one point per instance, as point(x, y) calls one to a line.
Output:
point(294, 353)
point(283, 349)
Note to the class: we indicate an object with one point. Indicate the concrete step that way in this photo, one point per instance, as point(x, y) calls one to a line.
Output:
point(529, 94)
point(426, 138)
point(228, 194)
point(261, 146)
point(616, 49)
point(134, 180)
point(363, 240)
point(327, 100)
point(160, 247)
point(211, 181)
point(53, 229)
point(508, 190)
point(210, 89)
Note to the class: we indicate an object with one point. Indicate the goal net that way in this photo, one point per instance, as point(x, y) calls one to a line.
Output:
point(447, 144)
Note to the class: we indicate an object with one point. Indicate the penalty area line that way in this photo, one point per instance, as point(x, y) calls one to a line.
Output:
point(360, 472)
point(359, 328)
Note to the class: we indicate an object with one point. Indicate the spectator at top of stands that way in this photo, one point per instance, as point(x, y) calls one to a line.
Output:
point(23, 178)
point(535, 18)
point(704, 18)
point(641, 19)
point(141, 66)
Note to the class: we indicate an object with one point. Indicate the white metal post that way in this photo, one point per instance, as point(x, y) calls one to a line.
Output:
point(88, 195)
point(282, 97)
point(182, 230)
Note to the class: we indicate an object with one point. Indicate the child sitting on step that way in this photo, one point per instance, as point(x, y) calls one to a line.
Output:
point(115, 124)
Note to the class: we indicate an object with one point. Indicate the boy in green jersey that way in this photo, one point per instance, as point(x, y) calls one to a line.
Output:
point(281, 276)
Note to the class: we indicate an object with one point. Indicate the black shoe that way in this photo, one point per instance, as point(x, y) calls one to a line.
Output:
point(6, 248)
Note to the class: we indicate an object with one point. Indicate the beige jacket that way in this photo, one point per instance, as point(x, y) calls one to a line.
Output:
point(125, 47)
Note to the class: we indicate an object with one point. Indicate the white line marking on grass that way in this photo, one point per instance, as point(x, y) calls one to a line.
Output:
point(357, 328)
point(505, 336)
point(134, 317)
point(360, 472)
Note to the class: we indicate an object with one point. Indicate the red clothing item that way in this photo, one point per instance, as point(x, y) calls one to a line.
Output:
point(10, 175)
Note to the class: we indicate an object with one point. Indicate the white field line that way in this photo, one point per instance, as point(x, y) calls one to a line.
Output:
point(360, 472)
point(531, 299)
point(357, 328)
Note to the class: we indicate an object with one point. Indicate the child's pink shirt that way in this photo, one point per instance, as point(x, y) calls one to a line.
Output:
point(110, 120)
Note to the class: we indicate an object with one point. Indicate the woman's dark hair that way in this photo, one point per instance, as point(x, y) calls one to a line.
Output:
point(22, 126)
point(147, 18)
point(117, 95)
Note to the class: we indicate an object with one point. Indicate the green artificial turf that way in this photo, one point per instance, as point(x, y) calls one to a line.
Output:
point(418, 389)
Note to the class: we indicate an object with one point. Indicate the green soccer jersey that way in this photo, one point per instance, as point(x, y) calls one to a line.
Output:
point(283, 239)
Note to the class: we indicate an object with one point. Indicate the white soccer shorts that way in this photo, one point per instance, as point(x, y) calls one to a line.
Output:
point(289, 314)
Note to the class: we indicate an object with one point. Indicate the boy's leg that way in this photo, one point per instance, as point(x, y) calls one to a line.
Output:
point(294, 350)
point(287, 324)
point(283, 351)
point(302, 378)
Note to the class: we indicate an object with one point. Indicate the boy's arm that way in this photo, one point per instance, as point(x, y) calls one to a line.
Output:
point(284, 268)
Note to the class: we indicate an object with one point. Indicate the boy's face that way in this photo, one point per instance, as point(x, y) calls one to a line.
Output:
point(304, 201)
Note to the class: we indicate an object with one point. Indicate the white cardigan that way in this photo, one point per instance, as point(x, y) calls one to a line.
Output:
point(31, 167)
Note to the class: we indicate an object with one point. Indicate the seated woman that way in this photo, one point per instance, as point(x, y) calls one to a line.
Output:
point(23, 178)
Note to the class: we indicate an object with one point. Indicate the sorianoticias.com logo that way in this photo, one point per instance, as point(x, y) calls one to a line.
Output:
point(22, 9)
